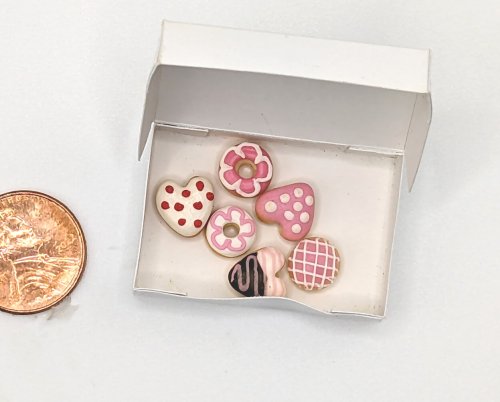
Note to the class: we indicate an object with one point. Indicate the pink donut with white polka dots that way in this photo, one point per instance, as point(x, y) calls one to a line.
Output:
point(291, 207)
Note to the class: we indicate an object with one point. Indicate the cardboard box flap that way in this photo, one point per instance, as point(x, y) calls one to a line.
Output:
point(417, 135)
point(365, 96)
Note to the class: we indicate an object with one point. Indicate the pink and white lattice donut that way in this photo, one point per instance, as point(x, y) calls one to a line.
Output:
point(246, 170)
point(313, 264)
point(231, 231)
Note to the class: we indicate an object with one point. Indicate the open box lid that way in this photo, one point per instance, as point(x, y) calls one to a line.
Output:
point(362, 96)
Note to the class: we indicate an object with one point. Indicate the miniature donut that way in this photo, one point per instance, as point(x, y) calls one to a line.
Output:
point(255, 274)
point(259, 169)
point(186, 209)
point(222, 223)
point(313, 264)
point(291, 207)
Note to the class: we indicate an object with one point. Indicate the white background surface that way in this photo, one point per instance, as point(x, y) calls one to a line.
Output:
point(72, 79)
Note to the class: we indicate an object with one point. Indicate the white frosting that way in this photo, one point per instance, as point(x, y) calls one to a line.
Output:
point(246, 228)
point(195, 207)
point(289, 215)
point(235, 241)
point(298, 192)
point(309, 200)
point(298, 206)
point(296, 228)
point(304, 217)
point(231, 246)
point(270, 206)
point(284, 198)
point(220, 221)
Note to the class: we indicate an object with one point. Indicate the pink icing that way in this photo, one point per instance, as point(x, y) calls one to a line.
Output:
point(313, 264)
point(230, 177)
point(271, 261)
point(238, 244)
point(291, 207)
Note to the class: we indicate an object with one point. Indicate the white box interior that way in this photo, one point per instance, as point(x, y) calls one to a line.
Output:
point(356, 191)
point(341, 116)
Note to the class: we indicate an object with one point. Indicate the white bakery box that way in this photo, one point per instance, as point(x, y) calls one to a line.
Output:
point(343, 117)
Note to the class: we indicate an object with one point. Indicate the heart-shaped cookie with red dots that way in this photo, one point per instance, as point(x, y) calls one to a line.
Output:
point(186, 209)
point(291, 207)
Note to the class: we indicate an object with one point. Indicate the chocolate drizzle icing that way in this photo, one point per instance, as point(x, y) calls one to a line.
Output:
point(247, 276)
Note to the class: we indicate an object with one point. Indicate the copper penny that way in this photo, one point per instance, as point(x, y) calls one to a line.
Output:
point(42, 252)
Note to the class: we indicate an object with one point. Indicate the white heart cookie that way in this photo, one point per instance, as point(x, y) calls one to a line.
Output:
point(186, 209)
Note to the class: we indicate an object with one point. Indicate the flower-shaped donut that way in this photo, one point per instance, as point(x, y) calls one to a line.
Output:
point(242, 225)
point(253, 156)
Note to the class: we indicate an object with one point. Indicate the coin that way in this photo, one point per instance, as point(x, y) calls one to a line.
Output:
point(42, 252)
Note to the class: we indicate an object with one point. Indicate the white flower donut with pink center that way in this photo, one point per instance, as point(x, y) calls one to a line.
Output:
point(258, 174)
point(231, 231)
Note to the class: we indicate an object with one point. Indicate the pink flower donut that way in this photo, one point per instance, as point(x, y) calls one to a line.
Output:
point(256, 160)
point(231, 231)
